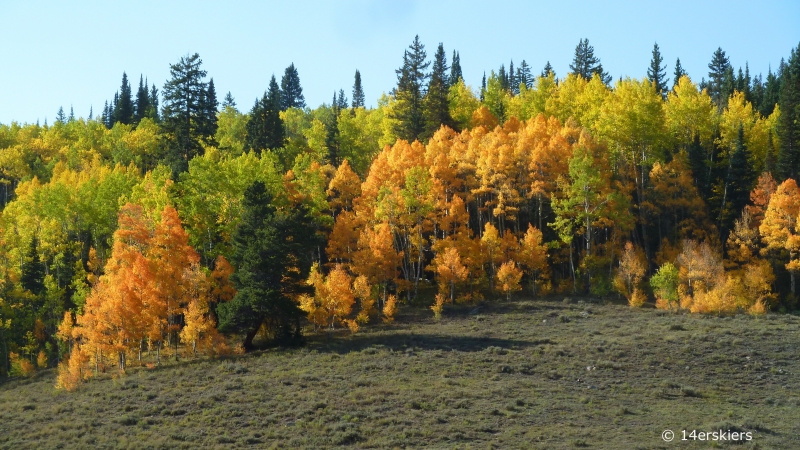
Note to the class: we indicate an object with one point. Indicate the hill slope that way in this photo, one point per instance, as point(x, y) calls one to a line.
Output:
point(525, 374)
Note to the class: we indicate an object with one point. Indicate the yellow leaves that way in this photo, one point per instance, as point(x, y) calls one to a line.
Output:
point(629, 275)
point(482, 117)
point(343, 188)
point(438, 306)
point(463, 103)
point(689, 112)
point(334, 297)
point(390, 309)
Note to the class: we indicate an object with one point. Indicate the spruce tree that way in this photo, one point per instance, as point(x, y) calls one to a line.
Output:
point(455, 69)
point(358, 91)
point(548, 69)
point(265, 127)
point(585, 64)
point(71, 114)
point(142, 101)
point(719, 65)
point(769, 155)
point(501, 74)
point(153, 100)
point(789, 121)
point(207, 126)
point(513, 82)
point(657, 73)
point(524, 75)
point(123, 111)
point(60, 117)
point(410, 92)
point(291, 92)
point(757, 92)
point(772, 90)
point(32, 276)
point(740, 178)
point(679, 72)
point(229, 102)
point(272, 250)
point(185, 112)
point(698, 162)
point(437, 105)
point(483, 87)
point(91, 112)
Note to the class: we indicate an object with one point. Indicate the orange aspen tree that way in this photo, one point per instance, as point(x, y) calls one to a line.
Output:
point(343, 189)
point(449, 270)
point(377, 258)
point(760, 196)
point(490, 243)
point(779, 229)
point(532, 255)
point(508, 277)
point(629, 275)
point(363, 292)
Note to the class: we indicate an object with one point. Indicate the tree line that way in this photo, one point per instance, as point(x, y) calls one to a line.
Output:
point(166, 230)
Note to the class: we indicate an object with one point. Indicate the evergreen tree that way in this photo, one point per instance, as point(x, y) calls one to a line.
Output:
point(547, 70)
point(265, 127)
point(153, 100)
point(185, 113)
point(483, 87)
point(741, 175)
point(699, 164)
point(769, 155)
point(437, 105)
point(71, 114)
point(513, 83)
point(60, 117)
point(501, 74)
point(657, 73)
point(789, 121)
point(746, 84)
point(410, 92)
point(772, 90)
point(455, 69)
point(123, 108)
point(358, 91)
point(718, 67)
point(32, 277)
point(679, 72)
point(272, 250)
point(208, 118)
point(229, 102)
point(142, 101)
point(106, 117)
point(524, 75)
point(341, 102)
point(585, 64)
point(291, 92)
point(91, 112)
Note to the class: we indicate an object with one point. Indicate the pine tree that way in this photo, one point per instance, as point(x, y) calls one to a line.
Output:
point(455, 69)
point(291, 92)
point(739, 182)
point(501, 74)
point(208, 117)
point(32, 277)
point(656, 73)
point(789, 121)
point(91, 112)
point(106, 116)
point(746, 84)
point(266, 279)
point(548, 69)
point(679, 72)
point(358, 91)
point(60, 117)
point(229, 102)
point(437, 105)
point(153, 101)
point(524, 75)
point(585, 64)
point(719, 65)
point(142, 101)
point(772, 89)
point(341, 102)
point(410, 92)
point(123, 110)
point(513, 82)
point(71, 114)
point(483, 87)
point(265, 127)
point(185, 114)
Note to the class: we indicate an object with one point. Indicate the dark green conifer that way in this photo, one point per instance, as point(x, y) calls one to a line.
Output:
point(291, 92)
point(142, 101)
point(455, 69)
point(524, 75)
point(265, 127)
point(585, 64)
point(720, 83)
point(437, 106)
point(123, 109)
point(789, 120)
point(657, 73)
point(679, 72)
point(547, 70)
point(410, 92)
point(358, 91)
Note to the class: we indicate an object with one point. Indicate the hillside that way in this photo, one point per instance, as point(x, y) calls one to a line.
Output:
point(556, 373)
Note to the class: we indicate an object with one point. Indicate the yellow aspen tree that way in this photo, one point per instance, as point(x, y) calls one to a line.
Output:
point(490, 243)
point(389, 309)
point(779, 229)
point(363, 292)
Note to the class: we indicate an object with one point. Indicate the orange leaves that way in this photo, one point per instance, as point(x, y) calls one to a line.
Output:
point(629, 275)
point(449, 270)
point(508, 278)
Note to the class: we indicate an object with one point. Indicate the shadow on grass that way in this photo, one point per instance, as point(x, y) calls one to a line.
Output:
point(412, 342)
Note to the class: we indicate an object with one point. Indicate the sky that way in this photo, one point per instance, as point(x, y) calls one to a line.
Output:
point(73, 54)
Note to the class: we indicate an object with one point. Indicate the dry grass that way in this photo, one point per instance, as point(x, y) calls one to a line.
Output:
point(525, 374)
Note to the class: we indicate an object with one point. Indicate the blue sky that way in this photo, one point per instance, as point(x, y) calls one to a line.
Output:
point(58, 53)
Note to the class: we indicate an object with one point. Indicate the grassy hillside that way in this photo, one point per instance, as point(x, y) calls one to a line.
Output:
point(557, 373)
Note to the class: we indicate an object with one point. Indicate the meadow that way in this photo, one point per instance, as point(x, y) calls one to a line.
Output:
point(561, 372)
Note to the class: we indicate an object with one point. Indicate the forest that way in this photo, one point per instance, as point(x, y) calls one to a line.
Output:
point(173, 225)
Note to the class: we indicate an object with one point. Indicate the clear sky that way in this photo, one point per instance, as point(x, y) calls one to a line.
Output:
point(74, 53)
